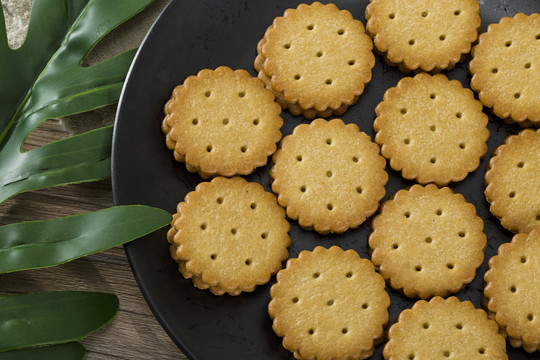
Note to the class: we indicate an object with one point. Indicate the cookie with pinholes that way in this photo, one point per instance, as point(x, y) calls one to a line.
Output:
point(431, 129)
point(222, 123)
point(328, 175)
point(423, 35)
point(229, 236)
point(444, 328)
point(505, 69)
point(329, 304)
point(427, 241)
point(316, 58)
point(513, 182)
point(512, 294)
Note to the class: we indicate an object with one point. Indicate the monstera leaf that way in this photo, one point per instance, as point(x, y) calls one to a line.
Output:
point(44, 79)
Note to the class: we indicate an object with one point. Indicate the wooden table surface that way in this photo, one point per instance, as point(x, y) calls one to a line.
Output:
point(134, 333)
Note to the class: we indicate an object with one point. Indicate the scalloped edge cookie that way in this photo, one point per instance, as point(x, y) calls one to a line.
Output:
point(189, 250)
point(394, 56)
point(334, 213)
point(517, 222)
point(461, 112)
point(456, 316)
point(358, 302)
point(486, 72)
point(323, 105)
point(195, 131)
point(509, 326)
point(384, 240)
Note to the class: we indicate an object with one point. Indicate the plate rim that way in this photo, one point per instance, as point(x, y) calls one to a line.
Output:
point(121, 104)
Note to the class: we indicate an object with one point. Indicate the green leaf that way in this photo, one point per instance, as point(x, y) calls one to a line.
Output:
point(79, 158)
point(68, 351)
point(53, 317)
point(44, 79)
point(38, 244)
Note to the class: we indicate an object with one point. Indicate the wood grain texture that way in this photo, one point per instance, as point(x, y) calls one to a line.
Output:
point(134, 333)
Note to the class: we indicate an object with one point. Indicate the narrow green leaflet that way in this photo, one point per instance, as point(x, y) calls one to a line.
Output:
point(44, 79)
point(53, 317)
point(68, 351)
point(38, 244)
point(58, 163)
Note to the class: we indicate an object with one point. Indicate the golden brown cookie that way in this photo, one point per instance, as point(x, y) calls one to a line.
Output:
point(229, 235)
point(513, 290)
point(441, 329)
point(505, 69)
point(427, 241)
point(513, 182)
point(329, 304)
point(328, 175)
point(423, 35)
point(431, 129)
point(316, 58)
point(222, 122)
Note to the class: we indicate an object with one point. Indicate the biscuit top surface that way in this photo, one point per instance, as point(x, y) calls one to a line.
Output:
point(431, 128)
point(318, 55)
point(423, 33)
point(222, 120)
point(512, 286)
point(329, 303)
point(231, 231)
point(506, 67)
point(513, 182)
point(441, 329)
point(329, 173)
point(428, 241)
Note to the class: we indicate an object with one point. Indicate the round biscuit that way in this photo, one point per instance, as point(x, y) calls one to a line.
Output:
point(222, 122)
point(229, 235)
point(512, 291)
point(513, 182)
point(444, 328)
point(423, 35)
point(329, 304)
point(317, 59)
point(505, 69)
point(431, 129)
point(427, 241)
point(328, 175)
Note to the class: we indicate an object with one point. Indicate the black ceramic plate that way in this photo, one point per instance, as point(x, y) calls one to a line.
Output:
point(192, 35)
